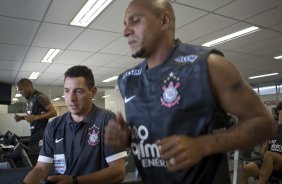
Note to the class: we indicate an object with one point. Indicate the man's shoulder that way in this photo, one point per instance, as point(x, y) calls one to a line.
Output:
point(133, 71)
point(59, 120)
point(104, 112)
point(186, 47)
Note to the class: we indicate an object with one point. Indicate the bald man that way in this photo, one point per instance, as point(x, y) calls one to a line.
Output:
point(38, 111)
point(171, 103)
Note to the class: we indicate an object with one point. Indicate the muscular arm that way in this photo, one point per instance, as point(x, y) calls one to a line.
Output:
point(112, 174)
point(51, 112)
point(39, 172)
point(235, 96)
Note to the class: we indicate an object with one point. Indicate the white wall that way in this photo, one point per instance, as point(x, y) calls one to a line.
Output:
point(7, 122)
point(3, 109)
point(114, 102)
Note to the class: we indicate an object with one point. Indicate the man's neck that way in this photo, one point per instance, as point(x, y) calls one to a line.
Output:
point(161, 54)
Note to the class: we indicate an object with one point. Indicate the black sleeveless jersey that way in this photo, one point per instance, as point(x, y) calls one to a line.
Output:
point(172, 98)
point(275, 145)
point(34, 107)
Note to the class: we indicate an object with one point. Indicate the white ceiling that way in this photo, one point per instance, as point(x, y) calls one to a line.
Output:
point(29, 28)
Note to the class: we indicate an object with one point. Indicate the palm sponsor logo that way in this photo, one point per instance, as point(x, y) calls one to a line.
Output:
point(147, 153)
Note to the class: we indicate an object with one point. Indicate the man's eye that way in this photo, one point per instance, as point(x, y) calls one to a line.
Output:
point(79, 92)
point(135, 21)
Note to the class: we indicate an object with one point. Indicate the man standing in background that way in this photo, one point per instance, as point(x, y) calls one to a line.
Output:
point(38, 111)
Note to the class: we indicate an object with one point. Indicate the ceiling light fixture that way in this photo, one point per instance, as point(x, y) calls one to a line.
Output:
point(232, 36)
point(18, 95)
point(106, 96)
point(265, 75)
point(110, 79)
point(34, 75)
point(56, 99)
point(51, 55)
point(89, 11)
point(278, 57)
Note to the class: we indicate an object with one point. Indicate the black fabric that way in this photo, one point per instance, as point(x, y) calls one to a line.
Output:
point(172, 98)
point(82, 147)
point(275, 145)
point(37, 128)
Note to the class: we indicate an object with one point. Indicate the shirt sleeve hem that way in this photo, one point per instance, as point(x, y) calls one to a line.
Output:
point(116, 156)
point(45, 159)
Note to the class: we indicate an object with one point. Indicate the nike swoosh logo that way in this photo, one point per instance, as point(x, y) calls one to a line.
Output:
point(58, 140)
point(126, 100)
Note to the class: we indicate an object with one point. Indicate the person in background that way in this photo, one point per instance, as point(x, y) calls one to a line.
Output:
point(170, 103)
point(38, 111)
point(251, 169)
point(272, 158)
point(74, 142)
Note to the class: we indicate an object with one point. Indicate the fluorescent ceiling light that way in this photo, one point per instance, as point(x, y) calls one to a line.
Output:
point(51, 55)
point(278, 57)
point(34, 75)
point(106, 96)
point(267, 87)
point(56, 99)
point(110, 79)
point(89, 11)
point(232, 36)
point(266, 75)
point(18, 95)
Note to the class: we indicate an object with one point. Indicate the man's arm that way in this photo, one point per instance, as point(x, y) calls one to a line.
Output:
point(19, 118)
point(234, 95)
point(51, 112)
point(39, 172)
point(114, 173)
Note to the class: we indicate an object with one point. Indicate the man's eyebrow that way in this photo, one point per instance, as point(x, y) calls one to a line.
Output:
point(132, 16)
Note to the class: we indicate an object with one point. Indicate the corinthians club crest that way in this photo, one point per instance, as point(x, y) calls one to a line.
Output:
point(170, 95)
point(93, 133)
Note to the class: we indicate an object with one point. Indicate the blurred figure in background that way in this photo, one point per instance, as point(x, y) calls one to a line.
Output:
point(38, 111)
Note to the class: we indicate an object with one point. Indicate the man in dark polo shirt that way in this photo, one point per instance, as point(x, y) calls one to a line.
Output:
point(74, 142)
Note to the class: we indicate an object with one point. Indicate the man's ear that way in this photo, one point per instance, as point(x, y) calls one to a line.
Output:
point(94, 91)
point(166, 20)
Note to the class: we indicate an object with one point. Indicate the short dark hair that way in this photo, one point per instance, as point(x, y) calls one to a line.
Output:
point(25, 81)
point(279, 106)
point(81, 71)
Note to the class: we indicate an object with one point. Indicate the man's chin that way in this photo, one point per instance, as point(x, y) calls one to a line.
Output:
point(139, 53)
point(74, 111)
